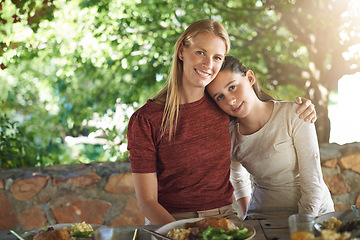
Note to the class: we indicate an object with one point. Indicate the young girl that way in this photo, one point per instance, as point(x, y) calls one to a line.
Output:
point(279, 150)
point(179, 141)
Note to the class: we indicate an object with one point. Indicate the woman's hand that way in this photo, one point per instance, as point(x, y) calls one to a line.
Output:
point(306, 109)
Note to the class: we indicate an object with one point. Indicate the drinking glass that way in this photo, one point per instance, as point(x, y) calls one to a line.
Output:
point(301, 226)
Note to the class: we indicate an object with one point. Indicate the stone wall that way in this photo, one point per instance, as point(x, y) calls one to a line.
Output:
point(103, 193)
point(341, 170)
point(97, 193)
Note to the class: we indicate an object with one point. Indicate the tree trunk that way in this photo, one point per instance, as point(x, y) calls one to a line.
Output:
point(320, 98)
point(322, 124)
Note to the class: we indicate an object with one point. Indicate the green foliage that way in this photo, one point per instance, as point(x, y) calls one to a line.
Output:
point(79, 68)
point(286, 92)
point(18, 147)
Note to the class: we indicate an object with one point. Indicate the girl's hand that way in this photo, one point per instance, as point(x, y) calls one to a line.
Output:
point(306, 109)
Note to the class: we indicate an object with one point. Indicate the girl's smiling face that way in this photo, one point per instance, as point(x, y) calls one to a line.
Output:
point(233, 92)
point(202, 59)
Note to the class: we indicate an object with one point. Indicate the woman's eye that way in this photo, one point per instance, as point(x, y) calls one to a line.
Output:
point(231, 88)
point(218, 58)
point(200, 52)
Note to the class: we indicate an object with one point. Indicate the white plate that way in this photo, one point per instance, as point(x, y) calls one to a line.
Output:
point(344, 216)
point(30, 235)
point(181, 223)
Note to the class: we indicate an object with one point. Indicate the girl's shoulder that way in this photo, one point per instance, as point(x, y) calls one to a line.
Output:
point(287, 110)
point(285, 106)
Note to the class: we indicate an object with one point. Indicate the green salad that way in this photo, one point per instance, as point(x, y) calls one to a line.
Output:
point(220, 234)
point(211, 229)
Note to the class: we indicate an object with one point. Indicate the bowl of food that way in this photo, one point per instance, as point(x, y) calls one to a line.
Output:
point(73, 231)
point(206, 228)
point(337, 225)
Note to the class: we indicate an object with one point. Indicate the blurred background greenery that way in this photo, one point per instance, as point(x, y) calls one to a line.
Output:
point(73, 71)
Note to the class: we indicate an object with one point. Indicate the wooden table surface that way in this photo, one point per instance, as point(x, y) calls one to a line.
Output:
point(276, 229)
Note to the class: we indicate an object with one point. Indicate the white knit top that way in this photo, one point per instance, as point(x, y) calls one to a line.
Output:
point(284, 161)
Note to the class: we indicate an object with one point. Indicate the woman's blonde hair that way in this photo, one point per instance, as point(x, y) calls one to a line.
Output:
point(171, 90)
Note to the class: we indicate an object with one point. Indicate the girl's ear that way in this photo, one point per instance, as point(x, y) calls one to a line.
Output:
point(251, 77)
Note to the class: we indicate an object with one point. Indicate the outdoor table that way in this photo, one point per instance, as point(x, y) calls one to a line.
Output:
point(274, 229)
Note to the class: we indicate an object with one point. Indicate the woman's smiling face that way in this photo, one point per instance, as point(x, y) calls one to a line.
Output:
point(202, 59)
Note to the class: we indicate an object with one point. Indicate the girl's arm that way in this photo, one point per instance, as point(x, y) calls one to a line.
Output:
point(311, 178)
point(306, 109)
point(243, 202)
point(240, 179)
point(147, 197)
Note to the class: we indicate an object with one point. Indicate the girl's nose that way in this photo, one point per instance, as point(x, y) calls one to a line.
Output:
point(232, 101)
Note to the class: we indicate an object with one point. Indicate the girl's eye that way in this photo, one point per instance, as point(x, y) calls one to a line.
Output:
point(231, 88)
point(218, 58)
point(199, 52)
point(219, 98)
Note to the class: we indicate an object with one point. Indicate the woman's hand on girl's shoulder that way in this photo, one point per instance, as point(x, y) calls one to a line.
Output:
point(306, 109)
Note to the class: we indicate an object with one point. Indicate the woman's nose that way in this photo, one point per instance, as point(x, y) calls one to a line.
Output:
point(208, 62)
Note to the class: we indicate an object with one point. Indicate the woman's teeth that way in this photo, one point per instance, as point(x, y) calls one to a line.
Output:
point(201, 73)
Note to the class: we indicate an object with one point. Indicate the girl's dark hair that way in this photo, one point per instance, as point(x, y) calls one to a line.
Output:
point(234, 65)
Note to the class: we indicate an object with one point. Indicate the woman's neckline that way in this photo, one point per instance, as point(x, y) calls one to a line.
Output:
point(162, 102)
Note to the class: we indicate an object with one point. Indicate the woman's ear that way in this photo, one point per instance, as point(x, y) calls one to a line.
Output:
point(180, 53)
point(251, 77)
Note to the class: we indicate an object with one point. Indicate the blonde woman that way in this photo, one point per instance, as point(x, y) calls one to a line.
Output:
point(179, 141)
